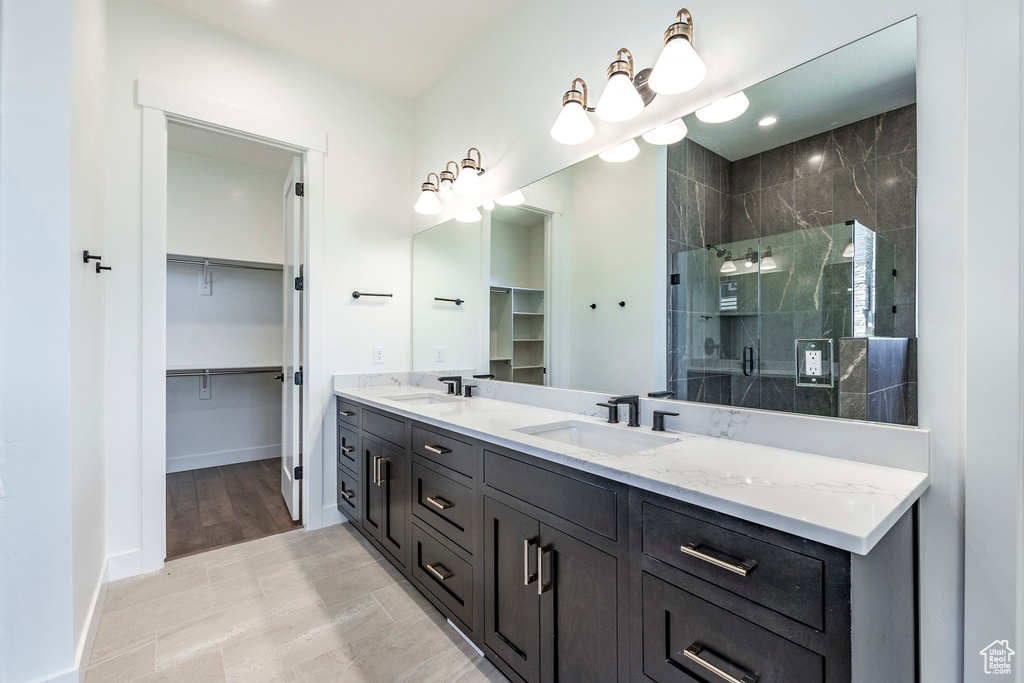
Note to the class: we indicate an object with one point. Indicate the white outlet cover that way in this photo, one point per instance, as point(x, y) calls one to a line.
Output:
point(378, 354)
point(438, 354)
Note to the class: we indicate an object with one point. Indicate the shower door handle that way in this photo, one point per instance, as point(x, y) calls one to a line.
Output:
point(748, 360)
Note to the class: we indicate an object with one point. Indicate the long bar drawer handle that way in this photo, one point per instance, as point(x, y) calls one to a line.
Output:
point(439, 503)
point(541, 586)
point(528, 578)
point(381, 472)
point(443, 574)
point(693, 654)
point(742, 568)
point(348, 494)
point(440, 450)
point(347, 413)
point(348, 449)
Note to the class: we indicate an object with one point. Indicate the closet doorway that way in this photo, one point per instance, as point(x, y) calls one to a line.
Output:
point(234, 340)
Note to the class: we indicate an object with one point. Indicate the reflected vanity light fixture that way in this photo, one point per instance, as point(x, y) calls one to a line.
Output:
point(767, 260)
point(666, 134)
point(489, 205)
point(849, 251)
point(728, 266)
point(428, 203)
point(468, 182)
point(471, 216)
point(573, 126)
point(447, 180)
point(725, 109)
point(623, 152)
point(514, 198)
point(620, 100)
point(679, 68)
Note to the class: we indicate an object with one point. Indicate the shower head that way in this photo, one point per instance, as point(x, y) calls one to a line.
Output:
point(719, 252)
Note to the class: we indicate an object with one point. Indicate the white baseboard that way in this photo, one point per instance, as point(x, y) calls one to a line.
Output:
point(69, 676)
point(332, 515)
point(84, 651)
point(201, 460)
point(123, 565)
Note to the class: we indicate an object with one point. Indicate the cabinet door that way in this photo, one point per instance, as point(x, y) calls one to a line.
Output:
point(372, 493)
point(512, 606)
point(579, 610)
point(395, 502)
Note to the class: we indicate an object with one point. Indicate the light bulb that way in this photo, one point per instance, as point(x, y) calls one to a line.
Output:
point(619, 153)
point(849, 251)
point(572, 126)
point(678, 69)
point(768, 121)
point(768, 261)
point(489, 205)
point(667, 133)
point(727, 267)
point(471, 216)
point(428, 203)
point(725, 109)
point(514, 198)
point(620, 100)
point(446, 189)
point(468, 183)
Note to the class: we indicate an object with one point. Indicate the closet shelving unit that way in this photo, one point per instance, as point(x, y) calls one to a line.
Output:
point(517, 334)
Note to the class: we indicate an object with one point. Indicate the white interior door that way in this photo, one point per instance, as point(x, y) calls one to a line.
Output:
point(291, 399)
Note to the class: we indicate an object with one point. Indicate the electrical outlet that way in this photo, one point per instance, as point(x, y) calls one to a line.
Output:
point(378, 354)
point(438, 354)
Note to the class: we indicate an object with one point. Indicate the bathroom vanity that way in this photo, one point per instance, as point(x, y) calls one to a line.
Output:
point(569, 549)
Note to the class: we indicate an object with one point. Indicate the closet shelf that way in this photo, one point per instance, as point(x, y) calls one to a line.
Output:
point(527, 367)
point(200, 372)
point(527, 340)
point(525, 313)
point(223, 263)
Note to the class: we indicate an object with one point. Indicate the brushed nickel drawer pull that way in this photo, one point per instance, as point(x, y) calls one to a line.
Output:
point(347, 413)
point(693, 654)
point(348, 449)
point(380, 471)
point(541, 586)
point(439, 450)
point(528, 578)
point(348, 494)
point(439, 503)
point(443, 574)
point(741, 568)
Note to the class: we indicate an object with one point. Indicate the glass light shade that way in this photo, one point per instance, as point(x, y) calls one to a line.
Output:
point(678, 69)
point(666, 134)
point(725, 109)
point(468, 183)
point(514, 198)
point(428, 203)
point(489, 205)
point(620, 100)
point(572, 126)
point(849, 251)
point(727, 267)
point(768, 263)
point(471, 216)
point(619, 153)
point(446, 190)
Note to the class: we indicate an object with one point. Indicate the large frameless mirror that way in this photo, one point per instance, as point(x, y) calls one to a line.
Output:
point(765, 261)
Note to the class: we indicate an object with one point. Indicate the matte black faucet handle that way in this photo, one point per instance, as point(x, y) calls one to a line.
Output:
point(467, 390)
point(613, 412)
point(454, 384)
point(659, 419)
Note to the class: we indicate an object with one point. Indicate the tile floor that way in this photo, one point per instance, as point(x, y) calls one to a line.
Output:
point(299, 606)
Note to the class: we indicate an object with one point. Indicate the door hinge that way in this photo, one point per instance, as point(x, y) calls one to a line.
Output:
point(675, 279)
point(298, 378)
point(299, 283)
point(298, 473)
point(300, 189)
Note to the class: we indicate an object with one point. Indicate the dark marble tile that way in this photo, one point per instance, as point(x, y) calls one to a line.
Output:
point(777, 166)
point(837, 323)
point(887, 363)
point(906, 320)
point(778, 209)
point(677, 157)
point(906, 279)
point(853, 406)
point(887, 405)
point(744, 217)
point(911, 404)
point(777, 335)
point(737, 333)
point(712, 213)
point(677, 187)
point(853, 194)
point(808, 324)
point(713, 171)
point(896, 131)
point(693, 209)
point(725, 178)
point(816, 155)
point(696, 162)
point(855, 143)
point(836, 280)
point(745, 391)
point(778, 393)
point(812, 199)
point(820, 401)
point(897, 191)
point(746, 175)
point(853, 366)
point(912, 360)
point(778, 289)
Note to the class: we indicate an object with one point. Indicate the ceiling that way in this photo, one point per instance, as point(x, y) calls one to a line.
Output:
point(872, 75)
point(398, 45)
point(229, 148)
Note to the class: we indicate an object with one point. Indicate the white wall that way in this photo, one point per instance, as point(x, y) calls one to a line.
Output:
point(223, 210)
point(517, 254)
point(744, 42)
point(367, 242)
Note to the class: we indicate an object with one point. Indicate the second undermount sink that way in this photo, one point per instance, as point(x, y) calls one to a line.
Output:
point(596, 437)
point(423, 399)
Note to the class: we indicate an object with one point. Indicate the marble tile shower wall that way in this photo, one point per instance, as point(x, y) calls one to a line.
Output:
point(865, 171)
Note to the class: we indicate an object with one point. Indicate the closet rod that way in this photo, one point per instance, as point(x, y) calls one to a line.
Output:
point(200, 372)
point(222, 264)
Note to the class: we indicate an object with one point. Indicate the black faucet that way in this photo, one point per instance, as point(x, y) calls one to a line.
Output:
point(633, 401)
point(613, 412)
point(661, 394)
point(454, 384)
point(659, 419)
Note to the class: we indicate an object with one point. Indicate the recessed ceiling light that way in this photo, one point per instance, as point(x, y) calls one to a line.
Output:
point(768, 121)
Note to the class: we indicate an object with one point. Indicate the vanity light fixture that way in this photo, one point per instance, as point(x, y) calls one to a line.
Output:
point(573, 126)
point(468, 182)
point(768, 121)
point(750, 259)
point(725, 109)
point(428, 203)
point(447, 180)
point(728, 266)
point(849, 251)
point(679, 68)
point(471, 216)
point(489, 205)
point(623, 152)
point(620, 100)
point(767, 260)
point(666, 134)
point(514, 198)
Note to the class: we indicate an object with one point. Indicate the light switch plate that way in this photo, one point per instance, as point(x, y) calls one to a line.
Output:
point(378, 354)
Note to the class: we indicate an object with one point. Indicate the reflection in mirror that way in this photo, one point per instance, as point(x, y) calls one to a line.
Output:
point(786, 236)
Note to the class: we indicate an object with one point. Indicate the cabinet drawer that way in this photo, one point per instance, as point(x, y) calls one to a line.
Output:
point(444, 574)
point(445, 505)
point(444, 450)
point(348, 449)
point(387, 428)
point(349, 498)
point(348, 413)
point(588, 505)
point(685, 636)
point(779, 579)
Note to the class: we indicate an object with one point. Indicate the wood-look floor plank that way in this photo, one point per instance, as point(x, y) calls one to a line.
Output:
point(252, 515)
point(185, 533)
point(214, 504)
point(223, 533)
point(181, 491)
point(266, 475)
point(236, 480)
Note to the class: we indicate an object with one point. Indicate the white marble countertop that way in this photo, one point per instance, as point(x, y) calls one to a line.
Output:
point(844, 504)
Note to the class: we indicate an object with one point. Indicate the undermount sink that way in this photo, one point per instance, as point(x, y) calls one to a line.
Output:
point(596, 437)
point(422, 399)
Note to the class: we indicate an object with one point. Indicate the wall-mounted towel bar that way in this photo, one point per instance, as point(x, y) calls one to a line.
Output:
point(213, 263)
point(457, 302)
point(356, 295)
point(201, 372)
